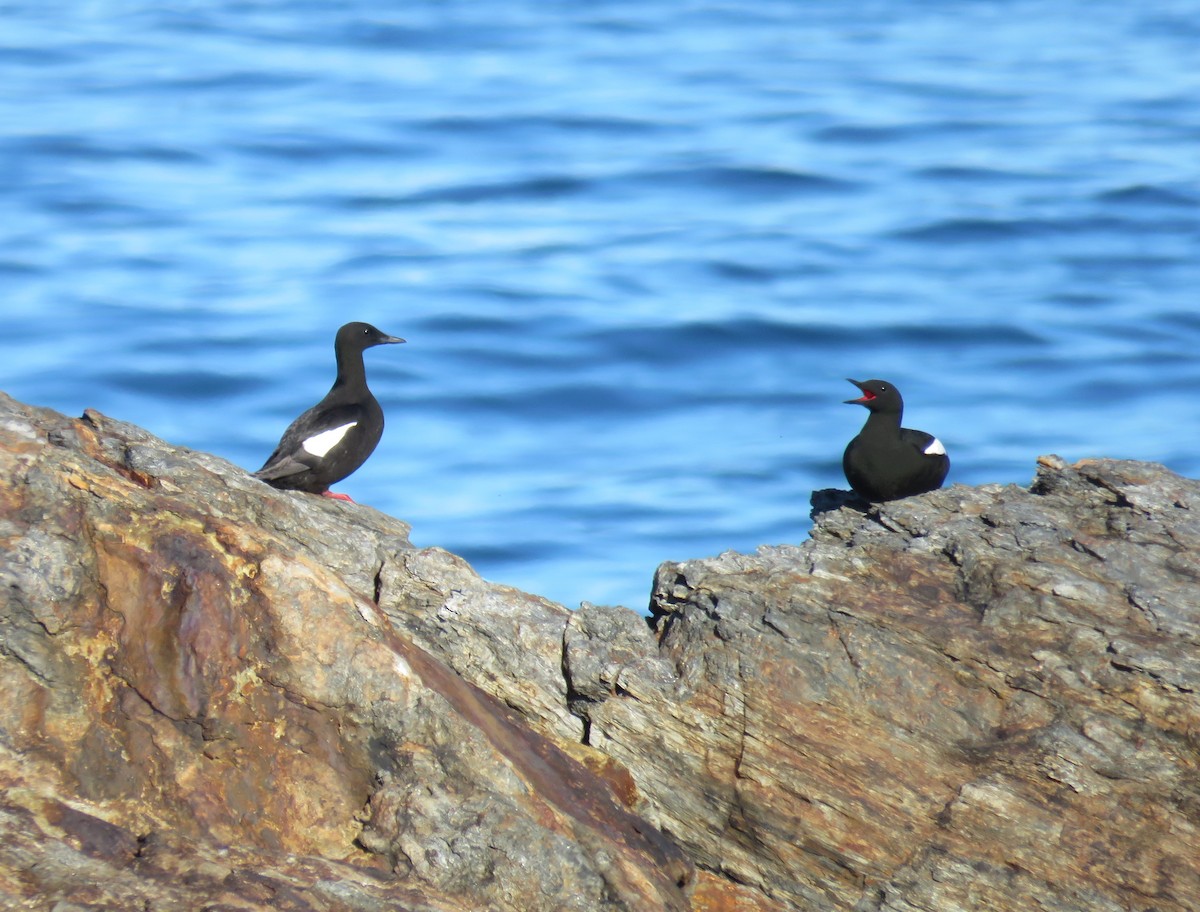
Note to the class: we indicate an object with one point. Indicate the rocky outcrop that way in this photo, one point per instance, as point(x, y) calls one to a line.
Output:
point(222, 696)
point(216, 696)
point(981, 698)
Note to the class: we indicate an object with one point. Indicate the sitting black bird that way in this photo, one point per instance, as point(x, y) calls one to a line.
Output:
point(335, 436)
point(886, 461)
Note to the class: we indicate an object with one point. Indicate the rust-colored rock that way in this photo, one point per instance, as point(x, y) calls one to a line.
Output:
point(981, 698)
point(206, 704)
point(719, 894)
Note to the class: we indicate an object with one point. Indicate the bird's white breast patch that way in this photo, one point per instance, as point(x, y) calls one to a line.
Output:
point(935, 448)
point(322, 443)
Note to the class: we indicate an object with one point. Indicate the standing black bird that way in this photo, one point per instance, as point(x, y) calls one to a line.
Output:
point(886, 461)
point(335, 436)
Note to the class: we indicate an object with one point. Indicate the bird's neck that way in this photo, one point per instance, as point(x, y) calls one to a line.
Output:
point(351, 374)
point(883, 423)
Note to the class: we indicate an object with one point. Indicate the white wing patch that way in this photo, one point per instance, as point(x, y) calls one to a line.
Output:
point(320, 444)
point(934, 449)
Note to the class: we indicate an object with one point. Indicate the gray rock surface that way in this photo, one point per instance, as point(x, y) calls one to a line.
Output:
point(217, 698)
point(980, 698)
point(223, 696)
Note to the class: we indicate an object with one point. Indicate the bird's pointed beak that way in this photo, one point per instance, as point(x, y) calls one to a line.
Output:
point(390, 340)
point(861, 400)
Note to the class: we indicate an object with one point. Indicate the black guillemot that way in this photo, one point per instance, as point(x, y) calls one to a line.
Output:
point(886, 461)
point(335, 436)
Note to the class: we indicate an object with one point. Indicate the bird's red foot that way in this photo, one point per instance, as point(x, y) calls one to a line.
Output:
point(332, 496)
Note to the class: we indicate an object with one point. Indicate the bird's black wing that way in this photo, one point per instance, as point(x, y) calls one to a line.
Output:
point(935, 464)
point(924, 443)
point(290, 457)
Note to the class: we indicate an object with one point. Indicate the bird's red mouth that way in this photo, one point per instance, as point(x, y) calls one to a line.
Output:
point(866, 397)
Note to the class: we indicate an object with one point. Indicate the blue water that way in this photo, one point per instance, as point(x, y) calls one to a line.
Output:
point(635, 247)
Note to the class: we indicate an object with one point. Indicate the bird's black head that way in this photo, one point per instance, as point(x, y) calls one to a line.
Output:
point(877, 395)
point(362, 336)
